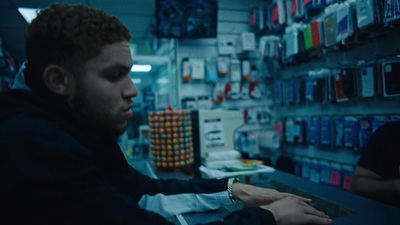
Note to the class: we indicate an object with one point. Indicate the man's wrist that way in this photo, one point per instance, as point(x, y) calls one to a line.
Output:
point(230, 188)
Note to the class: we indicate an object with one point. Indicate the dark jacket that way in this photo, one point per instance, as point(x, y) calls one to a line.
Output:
point(57, 169)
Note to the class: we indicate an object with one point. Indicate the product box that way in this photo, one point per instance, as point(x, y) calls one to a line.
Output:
point(365, 13)
point(227, 44)
point(247, 41)
point(223, 65)
point(315, 171)
point(367, 81)
point(350, 133)
point(246, 68)
point(211, 70)
point(326, 132)
point(330, 30)
point(313, 131)
point(364, 131)
point(236, 75)
point(198, 68)
point(186, 70)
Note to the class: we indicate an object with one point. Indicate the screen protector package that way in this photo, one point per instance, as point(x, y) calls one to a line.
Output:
point(350, 131)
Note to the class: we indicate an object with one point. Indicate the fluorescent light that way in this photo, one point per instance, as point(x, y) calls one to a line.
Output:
point(162, 81)
point(141, 68)
point(136, 80)
point(28, 13)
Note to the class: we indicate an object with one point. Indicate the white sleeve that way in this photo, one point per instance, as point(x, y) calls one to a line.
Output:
point(170, 205)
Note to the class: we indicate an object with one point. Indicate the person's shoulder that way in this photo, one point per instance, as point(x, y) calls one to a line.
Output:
point(392, 126)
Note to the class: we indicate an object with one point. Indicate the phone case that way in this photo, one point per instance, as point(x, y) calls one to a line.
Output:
point(391, 79)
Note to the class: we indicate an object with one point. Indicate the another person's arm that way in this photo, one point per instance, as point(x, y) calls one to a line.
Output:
point(369, 184)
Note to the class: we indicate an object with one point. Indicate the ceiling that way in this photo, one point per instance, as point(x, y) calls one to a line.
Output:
point(137, 15)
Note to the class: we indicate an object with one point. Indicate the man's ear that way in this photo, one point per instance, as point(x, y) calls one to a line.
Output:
point(57, 79)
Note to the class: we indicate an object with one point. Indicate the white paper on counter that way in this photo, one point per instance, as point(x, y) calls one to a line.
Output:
point(215, 173)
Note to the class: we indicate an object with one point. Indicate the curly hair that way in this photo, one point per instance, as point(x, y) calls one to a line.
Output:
point(68, 35)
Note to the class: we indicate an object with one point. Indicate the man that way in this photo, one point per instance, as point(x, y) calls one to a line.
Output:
point(60, 162)
point(377, 175)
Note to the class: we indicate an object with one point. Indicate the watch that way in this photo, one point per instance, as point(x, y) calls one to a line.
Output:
point(229, 188)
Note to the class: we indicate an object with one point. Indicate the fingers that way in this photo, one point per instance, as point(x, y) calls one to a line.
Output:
point(313, 219)
point(315, 216)
point(303, 199)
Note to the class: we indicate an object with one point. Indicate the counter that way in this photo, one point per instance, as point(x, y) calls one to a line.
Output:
point(343, 207)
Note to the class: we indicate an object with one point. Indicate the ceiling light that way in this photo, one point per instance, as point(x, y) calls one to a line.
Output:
point(28, 13)
point(141, 68)
point(162, 81)
point(136, 80)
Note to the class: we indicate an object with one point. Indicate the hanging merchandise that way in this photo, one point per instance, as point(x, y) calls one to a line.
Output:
point(256, 19)
point(246, 42)
point(294, 10)
point(330, 26)
point(293, 87)
point(236, 75)
point(349, 82)
point(198, 68)
point(278, 92)
point(223, 65)
point(211, 70)
point(378, 121)
point(316, 86)
point(254, 75)
point(367, 81)
point(345, 85)
point(254, 91)
point(364, 131)
point(313, 131)
point(366, 16)
point(218, 93)
point(276, 14)
point(336, 174)
point(325, 172)
point(347, 176)
point(391, 78)
point(326, 132)
point(316, 33)
point(344, 20)
point(203, 102)
point(245, 93)
point(227, 44)
point(291, 40)
point(391, 10)
point(307, 37)
point(350, 132)
point(246, 69)
point(269, 46)
point(315, 171)
point(294, 130)
point(232, 90)
point(186, 70)
point(338, 123)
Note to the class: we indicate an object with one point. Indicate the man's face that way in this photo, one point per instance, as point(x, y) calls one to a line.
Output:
point(103, 95)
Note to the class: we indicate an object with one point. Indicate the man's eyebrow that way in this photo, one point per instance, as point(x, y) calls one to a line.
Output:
point(118, 66)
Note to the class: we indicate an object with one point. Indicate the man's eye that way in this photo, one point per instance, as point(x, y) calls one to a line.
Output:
point(114, 77)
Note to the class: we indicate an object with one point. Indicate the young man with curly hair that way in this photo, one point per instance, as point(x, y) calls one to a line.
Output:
point(60, 162)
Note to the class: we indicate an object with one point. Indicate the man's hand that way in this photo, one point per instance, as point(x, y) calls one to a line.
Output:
point(291, 211)
point(256, 196)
